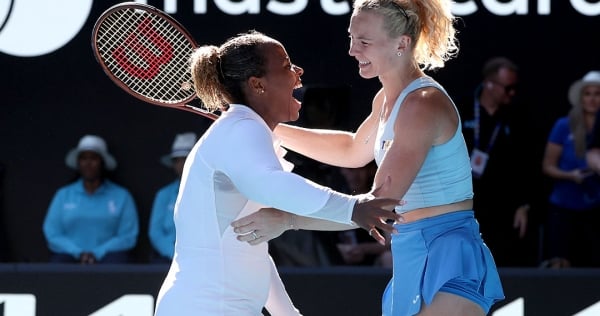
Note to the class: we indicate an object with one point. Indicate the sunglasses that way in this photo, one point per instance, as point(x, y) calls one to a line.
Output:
point(507, 88)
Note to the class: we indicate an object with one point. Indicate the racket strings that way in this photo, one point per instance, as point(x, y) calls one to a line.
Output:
point(147, 54)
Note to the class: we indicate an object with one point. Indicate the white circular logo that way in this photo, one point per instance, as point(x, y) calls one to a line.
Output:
point(30, 28)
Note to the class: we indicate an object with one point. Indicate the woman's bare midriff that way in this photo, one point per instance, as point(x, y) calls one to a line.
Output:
point(426, 212)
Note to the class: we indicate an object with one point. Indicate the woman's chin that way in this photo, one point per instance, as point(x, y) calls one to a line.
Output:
point(294, 113)
point(294, 116)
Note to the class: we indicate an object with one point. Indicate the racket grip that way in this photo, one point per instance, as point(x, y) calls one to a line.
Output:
point(201, 111)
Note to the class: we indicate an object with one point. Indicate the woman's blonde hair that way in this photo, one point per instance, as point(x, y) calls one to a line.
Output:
point(578, 128)
point(430, 25)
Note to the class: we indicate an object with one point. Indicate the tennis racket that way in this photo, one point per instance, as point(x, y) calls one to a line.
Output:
point(146, 52)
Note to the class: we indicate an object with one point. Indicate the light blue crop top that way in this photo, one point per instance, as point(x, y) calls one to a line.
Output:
point(445, 176)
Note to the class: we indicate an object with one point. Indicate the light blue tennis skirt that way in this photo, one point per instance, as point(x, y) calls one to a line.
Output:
point(441, 253)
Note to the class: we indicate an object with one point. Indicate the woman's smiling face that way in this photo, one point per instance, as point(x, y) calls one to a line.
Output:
point(370, 44)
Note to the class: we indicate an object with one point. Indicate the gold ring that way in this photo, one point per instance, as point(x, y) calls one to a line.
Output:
point(254, 234)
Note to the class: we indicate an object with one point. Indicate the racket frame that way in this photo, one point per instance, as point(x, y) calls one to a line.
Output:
point(183, 105)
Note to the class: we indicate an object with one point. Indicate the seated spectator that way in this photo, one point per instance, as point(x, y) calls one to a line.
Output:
point(91, 220)
point(161, 230)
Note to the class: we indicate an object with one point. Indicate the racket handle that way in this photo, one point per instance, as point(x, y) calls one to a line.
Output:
point(201, 111)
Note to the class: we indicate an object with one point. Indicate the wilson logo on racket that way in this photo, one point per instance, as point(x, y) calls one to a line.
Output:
point(136, 42)
point(146, 53)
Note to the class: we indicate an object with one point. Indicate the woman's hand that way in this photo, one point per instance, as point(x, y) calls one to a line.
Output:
point(263, 225)
point(374, 214)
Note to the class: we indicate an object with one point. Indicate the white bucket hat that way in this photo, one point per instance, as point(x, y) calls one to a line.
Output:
point(91, 143)
point(591, 78)
point(182, 145)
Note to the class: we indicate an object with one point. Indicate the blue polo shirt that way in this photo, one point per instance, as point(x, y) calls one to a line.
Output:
point(161, 230)
point(102, 222)
point(566, 193)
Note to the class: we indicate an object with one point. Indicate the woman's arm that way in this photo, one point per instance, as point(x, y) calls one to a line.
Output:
point(54, 232)
point(550, 165)
point(269, 223)
point(334, 147)
point(593, 159)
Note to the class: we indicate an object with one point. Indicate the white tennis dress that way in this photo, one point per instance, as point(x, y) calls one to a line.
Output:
point(231, 172)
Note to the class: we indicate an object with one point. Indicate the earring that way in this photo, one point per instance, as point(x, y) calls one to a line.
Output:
point(260, 91)
point(399, 53)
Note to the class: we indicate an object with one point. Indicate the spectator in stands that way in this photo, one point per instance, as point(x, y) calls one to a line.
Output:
point(574, 204)
point(91, 220)
point(161, 229)
point(501, 160)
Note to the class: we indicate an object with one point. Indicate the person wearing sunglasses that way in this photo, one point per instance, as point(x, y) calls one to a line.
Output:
point(500, 150)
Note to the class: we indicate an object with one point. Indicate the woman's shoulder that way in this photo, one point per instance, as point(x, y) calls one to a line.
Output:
point(428, 98)
point(68, 188)
point(379, 97)
point(562, 122)
point(116, 187)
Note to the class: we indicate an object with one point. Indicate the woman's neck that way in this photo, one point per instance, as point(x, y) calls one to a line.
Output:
point(394, 85)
